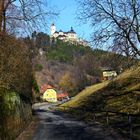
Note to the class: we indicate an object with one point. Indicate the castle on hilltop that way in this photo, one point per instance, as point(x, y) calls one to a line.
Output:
point(69, 36)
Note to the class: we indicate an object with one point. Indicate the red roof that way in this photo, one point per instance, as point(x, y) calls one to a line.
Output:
point(62, 95)
point(44, 87)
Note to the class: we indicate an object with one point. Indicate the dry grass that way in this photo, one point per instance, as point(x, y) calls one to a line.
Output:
point(121, 94)
point(87, 92)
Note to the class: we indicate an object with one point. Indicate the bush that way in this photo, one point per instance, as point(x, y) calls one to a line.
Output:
point(15, 114)
point(38, 67)
point(15, 87)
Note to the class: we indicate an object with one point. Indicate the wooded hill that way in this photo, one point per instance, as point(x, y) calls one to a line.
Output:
point(71, 66)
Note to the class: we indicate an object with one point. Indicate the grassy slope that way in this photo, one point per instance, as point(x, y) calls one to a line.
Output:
point(121, 94)
point(84, 95)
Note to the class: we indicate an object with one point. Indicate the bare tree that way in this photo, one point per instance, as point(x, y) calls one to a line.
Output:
point(27, 14)
point(113, 19)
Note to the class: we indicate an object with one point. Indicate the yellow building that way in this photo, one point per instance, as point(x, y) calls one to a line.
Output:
point(109, 75)
point(50, 95)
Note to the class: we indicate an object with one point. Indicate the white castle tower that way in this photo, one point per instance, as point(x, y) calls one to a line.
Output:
point(53, 29)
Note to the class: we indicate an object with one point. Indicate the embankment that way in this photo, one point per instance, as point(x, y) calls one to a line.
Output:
point(15, 114)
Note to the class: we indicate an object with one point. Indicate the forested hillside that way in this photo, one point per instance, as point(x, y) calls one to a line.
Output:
point(69, 66)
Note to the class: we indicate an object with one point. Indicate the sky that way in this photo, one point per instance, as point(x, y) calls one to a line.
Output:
point(67, 18)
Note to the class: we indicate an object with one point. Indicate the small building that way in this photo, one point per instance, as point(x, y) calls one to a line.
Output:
point(109, 74)
point(50, 95)
point(61, 96)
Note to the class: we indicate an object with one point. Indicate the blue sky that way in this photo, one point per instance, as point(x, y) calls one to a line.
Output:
point(67, 18)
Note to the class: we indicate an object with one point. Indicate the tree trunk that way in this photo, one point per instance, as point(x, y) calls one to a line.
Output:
point(137, 51)
point(1, 9)
point(4, 21)
point(1, 16)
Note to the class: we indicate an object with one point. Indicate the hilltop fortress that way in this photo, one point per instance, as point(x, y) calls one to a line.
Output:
point(69, 36)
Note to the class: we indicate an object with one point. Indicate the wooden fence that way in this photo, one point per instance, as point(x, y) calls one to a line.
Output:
point(124, 120)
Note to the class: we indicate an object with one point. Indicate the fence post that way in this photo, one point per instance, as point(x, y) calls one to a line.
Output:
point(130, 124)
point(71, 109)
point(84, 110)
point(94, 116)
point(107, 118)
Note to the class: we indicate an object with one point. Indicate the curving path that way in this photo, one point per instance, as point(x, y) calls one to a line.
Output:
point(54, 125)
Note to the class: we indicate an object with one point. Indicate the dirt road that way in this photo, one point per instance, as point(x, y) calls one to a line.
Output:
point(59, 126)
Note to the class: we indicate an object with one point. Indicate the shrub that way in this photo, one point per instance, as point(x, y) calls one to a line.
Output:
point(38, 67)
point(67, 82)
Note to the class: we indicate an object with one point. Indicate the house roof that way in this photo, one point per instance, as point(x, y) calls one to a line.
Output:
point(61, 36)
point(56, 32)
point(44, 87)
point(61, 95)
point(106, 69)
point(60, 30)
point(72, 31)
